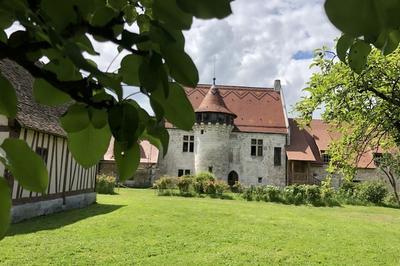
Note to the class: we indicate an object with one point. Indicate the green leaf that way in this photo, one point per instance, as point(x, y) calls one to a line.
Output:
point(178, 110)
point(127, 159)
point(130, 14)
point(75, 119)
point(130, 69)
point(61, 13)
point(64, 69)
point(25, 165)
point(102, 16)
point(158, 136)
point(8, 98)
point(181, 66)
point(168, 12)
point(89, 145)
point(45, 93)
point(358, 56)
point(392, 42)
point(343, 44)
point(355, 17)
point(5, 207)
point(206, 9)
point(98, 117)
point(123, 121)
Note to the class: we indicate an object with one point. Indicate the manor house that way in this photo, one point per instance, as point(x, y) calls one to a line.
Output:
point(243, 134)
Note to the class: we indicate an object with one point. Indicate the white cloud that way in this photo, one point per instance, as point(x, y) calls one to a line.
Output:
point(256, 44)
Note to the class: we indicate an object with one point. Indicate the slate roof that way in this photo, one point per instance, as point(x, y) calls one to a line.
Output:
point(307, 144)
point(31, 114)
point(258, 110)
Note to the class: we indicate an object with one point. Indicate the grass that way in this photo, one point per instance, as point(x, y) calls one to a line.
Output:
point(138, 227)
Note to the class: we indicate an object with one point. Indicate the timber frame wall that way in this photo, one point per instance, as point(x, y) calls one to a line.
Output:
point(66, 176)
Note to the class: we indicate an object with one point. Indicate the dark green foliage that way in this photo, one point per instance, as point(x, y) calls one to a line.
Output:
point(371, 191)
point(201, 180)
point(186, 185)
point(4, 207)
point(105, 184)
point(155, 52)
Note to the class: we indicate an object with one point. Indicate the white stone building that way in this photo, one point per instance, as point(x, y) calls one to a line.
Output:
point(243, 134)
point(240, 135)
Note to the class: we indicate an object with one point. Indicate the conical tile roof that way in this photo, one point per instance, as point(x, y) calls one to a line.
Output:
point(213, 103)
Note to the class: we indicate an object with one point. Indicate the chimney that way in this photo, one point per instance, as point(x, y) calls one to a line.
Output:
point(277, 85)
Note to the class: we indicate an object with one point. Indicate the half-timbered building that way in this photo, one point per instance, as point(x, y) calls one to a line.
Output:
point(70, 185)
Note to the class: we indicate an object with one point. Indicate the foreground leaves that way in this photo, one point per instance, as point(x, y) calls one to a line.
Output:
point(8, 98)
point(127, 159)
point(25, 165)
point(5, 207)
point(89, 145)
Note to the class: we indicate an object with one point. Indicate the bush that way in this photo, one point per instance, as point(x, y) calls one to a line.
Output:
point(105, 184)
point(220, 187)
point(248, 193)
point(295, 194)
point(237, 187)
point(186, 185)
point(313, 195)
point(328, 194)
point(201, 179)
point(371, 191)
point(166, 184)
point(272, 194)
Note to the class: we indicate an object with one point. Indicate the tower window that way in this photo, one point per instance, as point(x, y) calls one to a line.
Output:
point(260, 180)
point(202, 132)
point(188, 143)
point(182, 172)
point(256, 147)
point(210, 169)
point(277, 156)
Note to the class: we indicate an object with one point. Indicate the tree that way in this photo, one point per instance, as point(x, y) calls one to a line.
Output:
point(362, 107)
point(364, 23)
point(389, 164)
point(61, 32)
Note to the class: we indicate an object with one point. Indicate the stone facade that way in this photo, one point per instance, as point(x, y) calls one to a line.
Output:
point(221, 150)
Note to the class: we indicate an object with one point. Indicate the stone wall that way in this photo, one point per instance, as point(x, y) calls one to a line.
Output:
point(143, 178)
point(40, 208)
point(225, 153)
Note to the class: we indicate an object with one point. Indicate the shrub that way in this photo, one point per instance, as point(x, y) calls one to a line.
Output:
point(237, 187)
point(328, 194)
point(165, 185)
point(209, 187)
point(201, 179)
point(295, 194)
point(105, 184)
point(371, 191)
point(248, 193)
point(220, 187)
point(313, 195)
point(186, 185)
point(272, 194)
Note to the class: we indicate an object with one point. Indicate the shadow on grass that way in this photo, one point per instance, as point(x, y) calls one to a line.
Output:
point(61, 219)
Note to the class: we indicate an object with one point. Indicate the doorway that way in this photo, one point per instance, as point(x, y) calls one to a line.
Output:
point(233, 177)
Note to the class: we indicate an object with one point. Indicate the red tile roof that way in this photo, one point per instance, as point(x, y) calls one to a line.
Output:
point(257, 109)
point(307, 144)
point(213, 103)
point(148, 152)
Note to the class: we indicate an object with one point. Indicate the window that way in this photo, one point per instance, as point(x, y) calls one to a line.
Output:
point(260, 180)
point(182, 172)
point(377, 158)
point(210, 169)
point(277, 156)
point(188, 143)
point(202, 132)
point(256, 147)
point(42, 152)
point(326, 158)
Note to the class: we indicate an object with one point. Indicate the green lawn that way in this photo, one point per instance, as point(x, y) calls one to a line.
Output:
point(138, 227)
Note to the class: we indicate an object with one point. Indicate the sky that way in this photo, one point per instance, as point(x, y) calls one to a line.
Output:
point(260, 42)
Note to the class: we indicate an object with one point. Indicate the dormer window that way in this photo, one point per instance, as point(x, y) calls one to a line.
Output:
point(377, 158)
point(325, 157)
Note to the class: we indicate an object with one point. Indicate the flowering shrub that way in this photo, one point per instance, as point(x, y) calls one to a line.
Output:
point(105, 184)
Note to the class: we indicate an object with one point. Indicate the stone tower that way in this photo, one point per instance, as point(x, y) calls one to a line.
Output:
point(214, 124)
